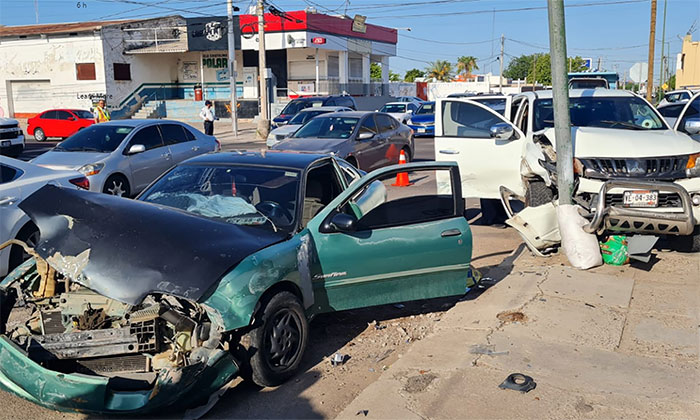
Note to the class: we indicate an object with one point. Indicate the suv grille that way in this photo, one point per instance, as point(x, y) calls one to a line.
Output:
point(653, 168)
point(11, 133)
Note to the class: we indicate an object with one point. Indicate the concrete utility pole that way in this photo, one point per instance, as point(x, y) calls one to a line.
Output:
point(263, 121)
point(652, 41)
point(500, 74)
point(560, 94)
point(232, 69)
point(663, 41)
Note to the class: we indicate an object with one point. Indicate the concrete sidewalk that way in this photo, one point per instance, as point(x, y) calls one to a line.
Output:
point(607, 343)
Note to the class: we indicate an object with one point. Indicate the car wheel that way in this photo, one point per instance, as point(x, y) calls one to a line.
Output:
point(278, 344)
point(407, 153)
point(117, 185)
point(39, 134)
point(29, 234)
point(538, 193)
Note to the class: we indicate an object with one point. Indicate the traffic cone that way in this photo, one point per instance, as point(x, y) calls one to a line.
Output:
point(402, 177)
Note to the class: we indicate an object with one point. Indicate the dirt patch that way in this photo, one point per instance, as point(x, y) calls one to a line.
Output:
point(512, 316)
point(419, 383)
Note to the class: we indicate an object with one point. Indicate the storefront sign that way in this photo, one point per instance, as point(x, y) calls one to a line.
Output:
point(211, 33)
point(358, 24)
point(318, 40)
point(215, 61)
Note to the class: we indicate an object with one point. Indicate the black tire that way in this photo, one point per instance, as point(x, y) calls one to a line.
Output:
point(277, 345)
point(39, 135)
point(538, 193)
point(690, 243)
point(407, 153)
point(117, 185)
point(29, 234)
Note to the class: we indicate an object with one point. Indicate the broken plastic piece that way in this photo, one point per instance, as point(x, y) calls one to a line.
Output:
point(363, 412)
point(518, 382)
point(338, 359)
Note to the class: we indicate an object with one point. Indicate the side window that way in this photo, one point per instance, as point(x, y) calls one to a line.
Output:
point(384, 123)
point(369, 125)
point(412, 107)
point(461, 119)
point(188, 134)
point(172, 133)
point(381, 204)
point(693, 111)
point(322, 186)
point(685, 95)
point(63, 115)
point(514, 109)
point(8, 174)
point(148, 136)
point(49, 115)
point(350, 103)
point(524, 116)
point(331, 102)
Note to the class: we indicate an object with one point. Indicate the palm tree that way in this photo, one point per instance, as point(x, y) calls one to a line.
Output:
point(440, 70)
point(466, 64)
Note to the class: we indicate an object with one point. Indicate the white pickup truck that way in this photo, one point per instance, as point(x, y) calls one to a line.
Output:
point(633, 172)
point(11, 137)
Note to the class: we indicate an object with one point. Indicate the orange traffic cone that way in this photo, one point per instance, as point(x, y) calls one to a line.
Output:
point(401, 177)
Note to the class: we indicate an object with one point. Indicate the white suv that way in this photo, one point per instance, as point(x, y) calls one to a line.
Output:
point(11, 137)
point(633, 173)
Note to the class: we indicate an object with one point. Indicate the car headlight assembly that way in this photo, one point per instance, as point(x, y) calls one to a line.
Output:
point(692, 169)
point(91, 169)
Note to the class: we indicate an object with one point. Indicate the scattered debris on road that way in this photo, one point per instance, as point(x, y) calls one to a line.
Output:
point(518, 382)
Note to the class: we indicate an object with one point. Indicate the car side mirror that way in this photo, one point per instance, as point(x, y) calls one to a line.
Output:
point(342, 222)
point(501, 131)
point(135, 149)
point(71, 119)
point(365, 135)
point(692, 125)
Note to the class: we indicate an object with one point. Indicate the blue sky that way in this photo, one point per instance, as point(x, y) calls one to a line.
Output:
point(616, 31)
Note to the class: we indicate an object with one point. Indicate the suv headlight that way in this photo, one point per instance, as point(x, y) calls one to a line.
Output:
point(692, 169)
point(91, 169)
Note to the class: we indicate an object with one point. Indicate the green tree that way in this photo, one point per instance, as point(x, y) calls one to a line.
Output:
point(519, 67)
point(413, 74)
point(671, 82)
point(537, 67)
point(375, 71)
point(466, 64)
point(440, 70)
point(394, 77)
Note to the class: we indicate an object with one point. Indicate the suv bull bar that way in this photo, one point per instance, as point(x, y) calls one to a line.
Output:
point(622, 219)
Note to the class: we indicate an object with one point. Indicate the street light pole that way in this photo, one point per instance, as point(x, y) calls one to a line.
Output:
point(560, 95)
point(232, 69)
point(263, 123)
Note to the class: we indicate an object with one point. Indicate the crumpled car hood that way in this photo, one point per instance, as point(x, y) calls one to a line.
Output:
point(126, 249)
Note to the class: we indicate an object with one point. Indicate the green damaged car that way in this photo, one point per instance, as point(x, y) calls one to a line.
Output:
point(214, 271)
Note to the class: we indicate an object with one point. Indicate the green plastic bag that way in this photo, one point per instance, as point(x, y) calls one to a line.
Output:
point(614, 250)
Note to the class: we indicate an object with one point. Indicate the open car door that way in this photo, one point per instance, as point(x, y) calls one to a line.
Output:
point(379, 242)
point(487, 147)
point(688, 121)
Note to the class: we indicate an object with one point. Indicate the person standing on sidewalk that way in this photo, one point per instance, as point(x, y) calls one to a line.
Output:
point(207, 114)
point(101, 113)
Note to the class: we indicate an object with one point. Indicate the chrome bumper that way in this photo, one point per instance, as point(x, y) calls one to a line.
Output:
point(620, 219)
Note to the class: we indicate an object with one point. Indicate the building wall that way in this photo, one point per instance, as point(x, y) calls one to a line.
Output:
point(688, 68)
point(40, 73)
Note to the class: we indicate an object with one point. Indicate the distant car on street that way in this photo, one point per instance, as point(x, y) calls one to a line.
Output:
point(402, 111)
point(61, 123)
point(676, 96)
point(17, 181)
point(422, 122)
point(368, 140)
point(296, 105)
point(123, 157)
point(281, 133)
point(11, 137)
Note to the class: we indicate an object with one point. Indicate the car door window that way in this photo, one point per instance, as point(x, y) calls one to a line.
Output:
point(172, 134)
point(147, 136)
point(9, 174)
point(369, 125)
point(63, 115)
point(462, 119)
point(322, 186)
point(384, 123)
point(348, 171)
point(693, 111)
point(49, 115)
point(188, 134)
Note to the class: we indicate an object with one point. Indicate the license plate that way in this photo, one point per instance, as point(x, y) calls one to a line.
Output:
point(640, 198)
point(5, 143)
point(421, 130)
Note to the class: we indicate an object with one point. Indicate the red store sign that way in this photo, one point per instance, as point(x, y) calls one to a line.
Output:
point(318, 40)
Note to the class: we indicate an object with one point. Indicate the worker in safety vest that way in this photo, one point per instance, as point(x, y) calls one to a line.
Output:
point(101, 113)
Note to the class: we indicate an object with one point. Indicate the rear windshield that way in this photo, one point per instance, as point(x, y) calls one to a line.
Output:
point(328, 128)
point(96, 138)
point(297, 105)
point(393, 108)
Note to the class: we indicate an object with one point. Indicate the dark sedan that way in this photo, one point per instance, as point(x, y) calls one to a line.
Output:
point(368, 140)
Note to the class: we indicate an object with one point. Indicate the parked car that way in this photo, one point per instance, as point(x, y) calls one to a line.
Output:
point(402, 111)
point(588, 83)
point(499, 103)
point(19, 180)
point(281, 133)
point(671, 111)
point(367, 140)
point(11, 137)
point(675, 96)
point(634, 174)
point(422, 122)
point(414, 99)
point(216, 268)
point(61, 123)
point(122, 157)
point(296, 105)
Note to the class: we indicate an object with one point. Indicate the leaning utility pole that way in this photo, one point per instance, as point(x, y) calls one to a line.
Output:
point(232, 69)
point(500, 74)
point(664, 64)
point(263, 122)
point(652, 41)
point(560, 96)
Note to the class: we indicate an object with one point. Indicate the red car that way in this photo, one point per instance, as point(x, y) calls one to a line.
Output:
point(59, 123)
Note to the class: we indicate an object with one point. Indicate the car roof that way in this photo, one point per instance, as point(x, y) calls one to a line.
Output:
point(397, 103)
point(323, 108)
point(582, 93)
point(356, 114)
point(139, 122)
point(274, 158)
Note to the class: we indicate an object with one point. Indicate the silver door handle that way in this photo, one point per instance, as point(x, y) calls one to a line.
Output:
point(7, 201)
point(449, 152)
point(451, 232)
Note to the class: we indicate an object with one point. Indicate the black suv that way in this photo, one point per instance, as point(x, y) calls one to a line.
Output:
point(298, 104)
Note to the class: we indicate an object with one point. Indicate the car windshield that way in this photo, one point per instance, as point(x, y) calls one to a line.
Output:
point(393, 108)
point(497, 104)
point(86, 115)
point(328, 128)
point(426, 109)
point(305, 116)
point(627, 112)
point(236, 194)
point(95, 138)
point(295, 106)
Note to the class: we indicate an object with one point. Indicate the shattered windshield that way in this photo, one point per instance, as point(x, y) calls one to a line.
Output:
point(241, 195)
point(95, 138)
point(628, 112)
